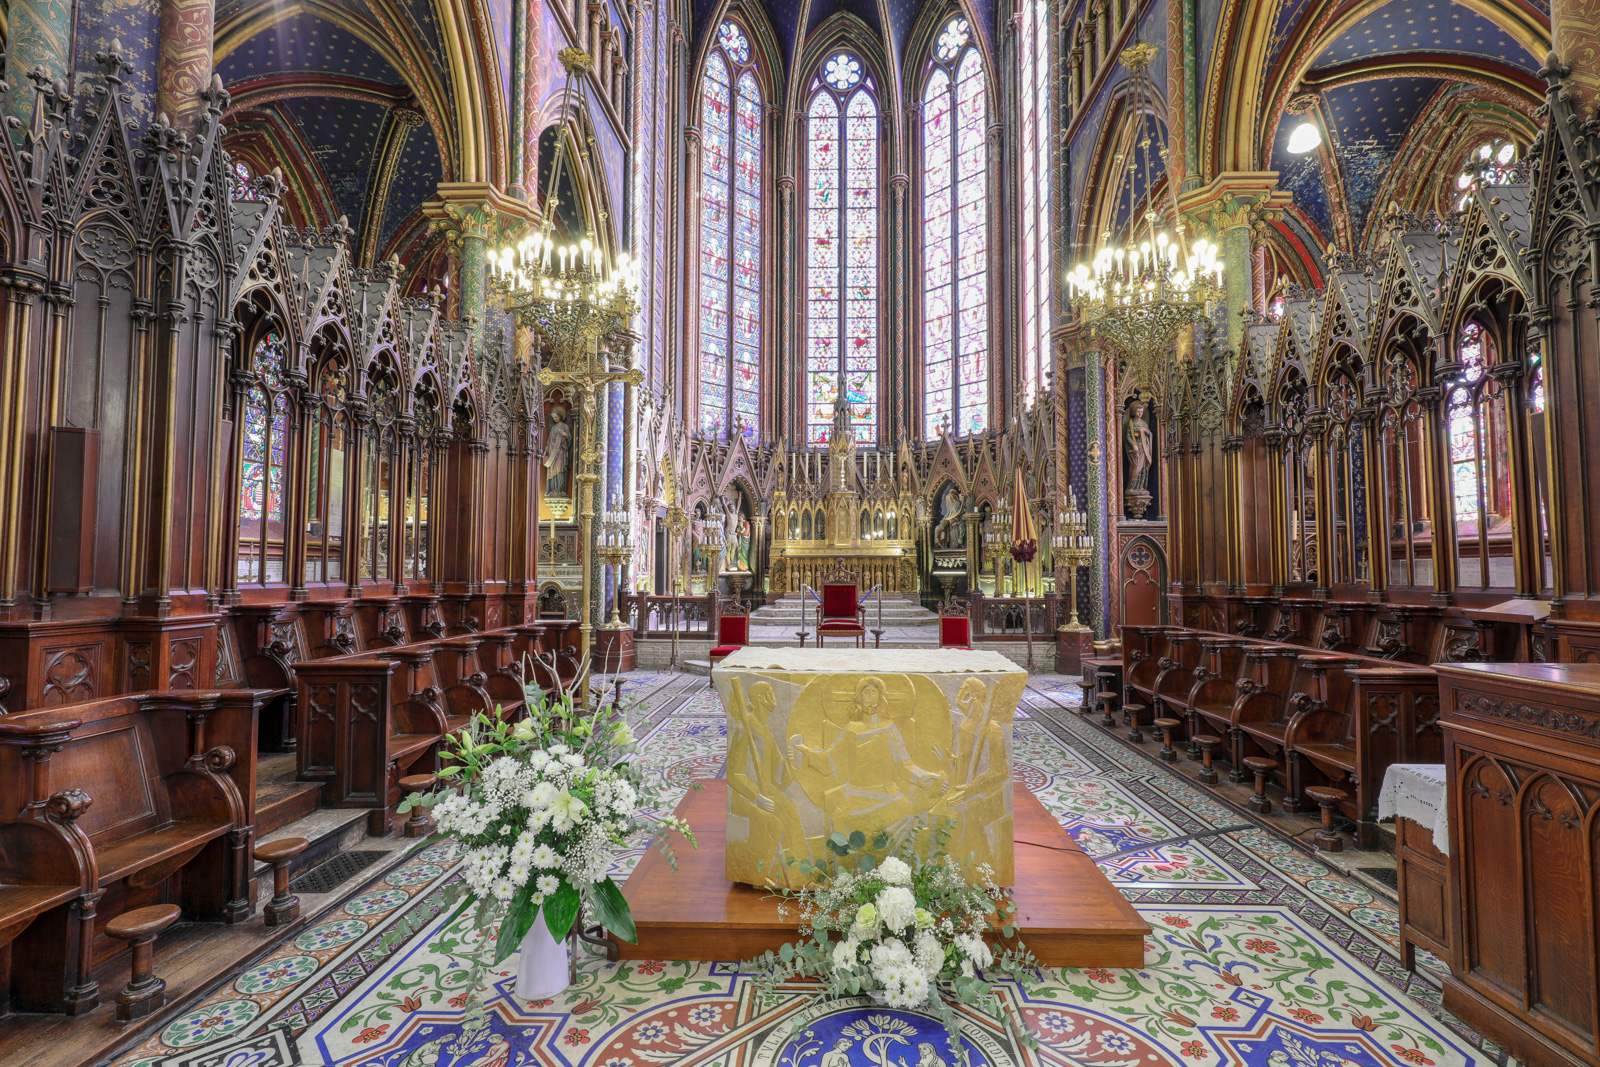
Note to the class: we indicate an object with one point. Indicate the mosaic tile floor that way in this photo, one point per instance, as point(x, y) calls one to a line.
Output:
point(1259, 955)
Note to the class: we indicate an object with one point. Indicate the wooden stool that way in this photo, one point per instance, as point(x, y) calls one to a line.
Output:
point(145, 992)
point(420, 824)
point(283, 907)
point(1108, 707)
point(1262, 768)
point(1131, 713)
point(1166, 726)
point(1328, 799)
point(1086, 697)
point(1208, 743)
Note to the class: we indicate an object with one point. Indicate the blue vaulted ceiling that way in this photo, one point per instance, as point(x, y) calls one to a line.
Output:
point(334, 92)
point(1426, 26)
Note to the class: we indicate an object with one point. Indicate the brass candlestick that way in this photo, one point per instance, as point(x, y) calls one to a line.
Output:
point(1073, 546)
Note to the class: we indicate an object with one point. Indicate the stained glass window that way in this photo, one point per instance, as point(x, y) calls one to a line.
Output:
point(1465, 438)
point(842, 250)
point(955, 238)
point(1034, 107)
point(264, 464)
point(241, 182)
point(1491, 163)
point(730, 238)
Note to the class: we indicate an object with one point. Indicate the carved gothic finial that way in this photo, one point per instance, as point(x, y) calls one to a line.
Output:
point(112, 64)
point(217, 97)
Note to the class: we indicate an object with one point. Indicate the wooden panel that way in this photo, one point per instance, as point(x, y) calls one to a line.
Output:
point(74, 478)
point(1072, 916)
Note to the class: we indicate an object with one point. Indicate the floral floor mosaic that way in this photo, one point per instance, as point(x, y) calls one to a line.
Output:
point(1259, 955)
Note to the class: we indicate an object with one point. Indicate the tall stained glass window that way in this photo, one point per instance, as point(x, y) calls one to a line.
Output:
point(1480, 475)
point(1033, 97)
point(264, 464)
point(842, 249)
point(955, 237)
point(730, 238)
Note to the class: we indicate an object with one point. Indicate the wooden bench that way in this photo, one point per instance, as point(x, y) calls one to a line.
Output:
point(1208, 706)
point(371, 718)
point(132, 800)
point(1390, 715)
point(1169, 690)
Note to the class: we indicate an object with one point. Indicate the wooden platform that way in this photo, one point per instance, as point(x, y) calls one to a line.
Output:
point(1071, 915)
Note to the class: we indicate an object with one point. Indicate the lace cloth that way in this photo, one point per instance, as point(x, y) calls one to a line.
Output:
point(1416, 791)
point(869, 661)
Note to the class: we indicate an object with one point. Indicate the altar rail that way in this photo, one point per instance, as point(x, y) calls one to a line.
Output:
point(999, 618)
point(657, 615)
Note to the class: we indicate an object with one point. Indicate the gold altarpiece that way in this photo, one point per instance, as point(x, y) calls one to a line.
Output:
point(859, 513)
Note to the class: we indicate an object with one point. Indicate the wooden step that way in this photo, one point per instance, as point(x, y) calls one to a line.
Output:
point(280, 797)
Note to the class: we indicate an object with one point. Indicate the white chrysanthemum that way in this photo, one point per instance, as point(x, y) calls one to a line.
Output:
point(930, 954)
point(975, 949)
point(897, 908)
point(844, 955)
point(895, 871)
point(544, 857)
point(888, 957)
point(548, 883)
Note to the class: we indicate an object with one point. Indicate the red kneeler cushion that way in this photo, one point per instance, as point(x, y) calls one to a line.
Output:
point(845, 626)
point(838, 601)
point(724, 651)
point(955, 633)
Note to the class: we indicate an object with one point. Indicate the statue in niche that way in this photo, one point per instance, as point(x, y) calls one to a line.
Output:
point(950, 531)
point(557, 453)
point(735, 537)
point(1138, 453)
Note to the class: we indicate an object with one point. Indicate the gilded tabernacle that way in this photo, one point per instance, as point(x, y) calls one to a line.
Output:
point(823, 741)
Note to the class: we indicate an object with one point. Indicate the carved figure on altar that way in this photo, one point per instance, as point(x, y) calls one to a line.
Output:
point(950, 531)
point(557, 453)
point(866, 773)
point(1138, 447)
point(816, 748)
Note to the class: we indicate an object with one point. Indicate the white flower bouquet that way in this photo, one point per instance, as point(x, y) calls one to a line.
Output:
point(907, 931)
point(540, 808)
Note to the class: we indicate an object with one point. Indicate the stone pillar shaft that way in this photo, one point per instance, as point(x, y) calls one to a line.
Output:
point(184, 69)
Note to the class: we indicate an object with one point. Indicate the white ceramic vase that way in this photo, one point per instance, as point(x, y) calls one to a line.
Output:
point(542, 971)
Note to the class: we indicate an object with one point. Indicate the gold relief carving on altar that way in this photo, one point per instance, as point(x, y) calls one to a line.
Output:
point(813, 755)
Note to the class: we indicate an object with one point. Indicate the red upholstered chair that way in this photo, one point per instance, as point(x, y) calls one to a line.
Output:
point(840, 614)
point(955, 628)
point(733, 633)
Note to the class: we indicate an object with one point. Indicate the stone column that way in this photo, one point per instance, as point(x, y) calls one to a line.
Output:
point(39, 35)
point(468, 218)
point(184, 68)
point(1575, 38)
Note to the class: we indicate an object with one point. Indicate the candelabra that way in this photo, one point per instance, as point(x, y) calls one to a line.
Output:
point(615, 549)
point(677, 521)
point(1073, 546)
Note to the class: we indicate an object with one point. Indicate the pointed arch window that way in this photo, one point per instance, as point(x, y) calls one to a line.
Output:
point(955, 237)
point(1477, 429)
point(1033, 97)
point(730, 237)
point(842, 249)
point(264, 464)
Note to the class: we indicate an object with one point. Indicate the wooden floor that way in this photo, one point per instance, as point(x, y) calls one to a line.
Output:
point(1070, 914)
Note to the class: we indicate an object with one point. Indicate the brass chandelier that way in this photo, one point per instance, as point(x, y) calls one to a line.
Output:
point(1142, 293)
point(575, 293)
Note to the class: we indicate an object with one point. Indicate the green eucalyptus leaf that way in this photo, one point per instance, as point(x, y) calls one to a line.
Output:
point(858, 839)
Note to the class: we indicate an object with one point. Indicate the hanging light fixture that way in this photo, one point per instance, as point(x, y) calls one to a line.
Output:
point(1142, 293)
point(574, 293)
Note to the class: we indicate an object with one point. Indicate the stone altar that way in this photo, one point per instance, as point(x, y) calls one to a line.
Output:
point(835, 740)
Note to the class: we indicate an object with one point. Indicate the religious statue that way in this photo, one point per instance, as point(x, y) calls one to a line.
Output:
point(735, 538)
point(1138, 446)
point(557, 453)
point(951, 531)
point(1138, 451)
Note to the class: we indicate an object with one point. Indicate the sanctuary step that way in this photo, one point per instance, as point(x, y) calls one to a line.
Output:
point(898, 611)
